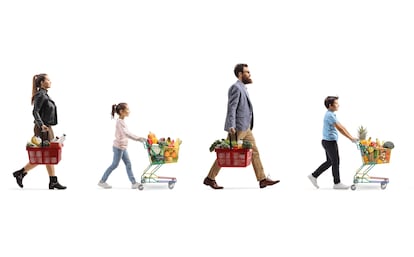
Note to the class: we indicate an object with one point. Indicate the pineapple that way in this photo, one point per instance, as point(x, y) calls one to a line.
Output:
point(362, 133)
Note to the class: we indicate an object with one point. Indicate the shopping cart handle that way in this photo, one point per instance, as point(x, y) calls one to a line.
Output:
point(146, 145)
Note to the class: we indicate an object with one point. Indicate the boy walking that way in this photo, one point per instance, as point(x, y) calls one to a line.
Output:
point(331, 126)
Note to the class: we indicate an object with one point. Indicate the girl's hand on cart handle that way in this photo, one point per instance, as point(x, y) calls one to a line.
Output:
point(141, 139)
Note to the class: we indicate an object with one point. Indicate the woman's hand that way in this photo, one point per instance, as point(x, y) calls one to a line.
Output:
point(45, 128)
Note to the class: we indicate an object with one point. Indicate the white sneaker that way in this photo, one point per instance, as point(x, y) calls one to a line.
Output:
point(104, 185)
point(313, 180)
point(340, 186)
point(135, 185)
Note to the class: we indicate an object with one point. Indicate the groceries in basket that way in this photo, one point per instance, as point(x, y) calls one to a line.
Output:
point(45, 151)
point(373, 152)
point(229, 153)
point(163, 150)
point(37, 141)
point(227, 144)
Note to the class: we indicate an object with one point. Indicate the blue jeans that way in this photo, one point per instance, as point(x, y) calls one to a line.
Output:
point(118, 155)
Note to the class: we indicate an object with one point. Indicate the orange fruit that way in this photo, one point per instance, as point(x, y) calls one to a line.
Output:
point(174, 154)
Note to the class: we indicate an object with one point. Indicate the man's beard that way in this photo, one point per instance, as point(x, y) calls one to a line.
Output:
point(247, 80)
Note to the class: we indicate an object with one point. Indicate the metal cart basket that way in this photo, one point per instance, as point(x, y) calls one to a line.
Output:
point(159, 155)
point(371, 156)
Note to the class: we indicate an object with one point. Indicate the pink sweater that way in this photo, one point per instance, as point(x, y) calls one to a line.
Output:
point(122, 134)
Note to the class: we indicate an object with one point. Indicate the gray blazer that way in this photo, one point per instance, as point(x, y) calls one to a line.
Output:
point(239, 108)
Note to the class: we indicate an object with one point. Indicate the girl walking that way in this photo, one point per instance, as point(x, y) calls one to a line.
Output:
point(120, 145)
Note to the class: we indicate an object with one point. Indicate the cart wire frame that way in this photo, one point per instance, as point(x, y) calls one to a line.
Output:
point(156, 159)
point(370, 158)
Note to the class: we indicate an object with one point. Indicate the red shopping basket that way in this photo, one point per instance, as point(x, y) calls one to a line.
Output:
point(234, 157)
point(45, 155)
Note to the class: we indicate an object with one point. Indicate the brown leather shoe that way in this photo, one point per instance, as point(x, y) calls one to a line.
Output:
point(212, 183)
point(267, 182)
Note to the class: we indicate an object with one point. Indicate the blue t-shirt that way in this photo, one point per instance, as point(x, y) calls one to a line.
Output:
point(329, 131)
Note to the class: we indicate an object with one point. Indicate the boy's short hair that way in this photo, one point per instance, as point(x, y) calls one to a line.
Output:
point(329, 100)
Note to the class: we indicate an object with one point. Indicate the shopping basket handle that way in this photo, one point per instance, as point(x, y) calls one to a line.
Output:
point(229, 135)
point(44, 135)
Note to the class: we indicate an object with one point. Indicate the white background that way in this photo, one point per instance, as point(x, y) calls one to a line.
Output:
point(172, 61)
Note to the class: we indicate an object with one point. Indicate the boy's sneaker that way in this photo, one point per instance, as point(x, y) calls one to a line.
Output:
point(135, 185)
point(104, 185)
point(313, 180)
point(340, 186)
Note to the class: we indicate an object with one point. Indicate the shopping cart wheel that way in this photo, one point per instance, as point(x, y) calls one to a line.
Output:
point(353, 187)
point(171, 184)
point(383, 185)
point(141, 187)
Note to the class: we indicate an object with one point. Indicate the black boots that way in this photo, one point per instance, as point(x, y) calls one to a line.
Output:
point(19, 175)
point(54, 184)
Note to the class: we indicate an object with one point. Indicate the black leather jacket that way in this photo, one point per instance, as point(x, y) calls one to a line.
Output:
point(44, 109)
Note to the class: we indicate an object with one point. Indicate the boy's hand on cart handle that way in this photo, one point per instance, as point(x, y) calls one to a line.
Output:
point(354, 140)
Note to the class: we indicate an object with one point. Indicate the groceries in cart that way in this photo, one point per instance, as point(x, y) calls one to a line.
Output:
point(163, 150)
point(373, 152)
point(160, 151)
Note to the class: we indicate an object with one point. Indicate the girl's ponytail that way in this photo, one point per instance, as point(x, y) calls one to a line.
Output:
point(113, 111)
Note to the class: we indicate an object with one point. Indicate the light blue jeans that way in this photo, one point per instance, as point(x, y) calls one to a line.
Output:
point(118, 155)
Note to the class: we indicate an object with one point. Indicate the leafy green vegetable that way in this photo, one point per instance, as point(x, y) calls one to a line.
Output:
point(247, 144)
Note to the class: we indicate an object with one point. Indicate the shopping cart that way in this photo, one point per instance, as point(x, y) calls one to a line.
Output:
point(159, 154)
point(371, 156)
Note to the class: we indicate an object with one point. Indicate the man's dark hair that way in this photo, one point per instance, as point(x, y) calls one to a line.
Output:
point(239, 68)
point(329, 100)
